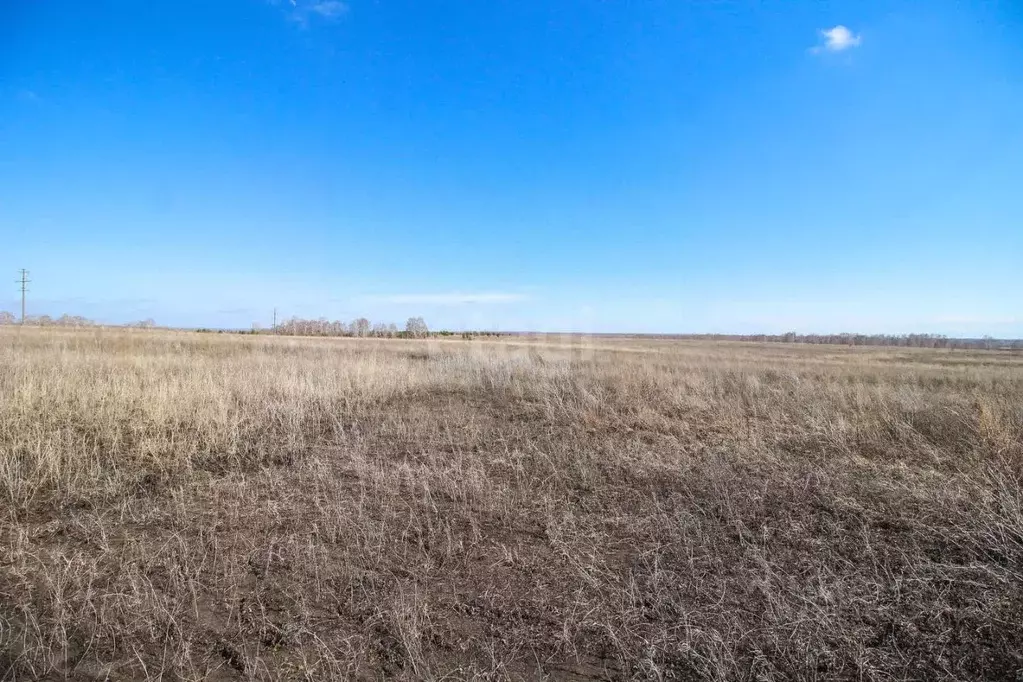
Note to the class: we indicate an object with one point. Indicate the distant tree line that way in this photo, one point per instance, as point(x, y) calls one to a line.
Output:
point(896, 340)
point(415, 327)
point(65, 320)
point(468, 335)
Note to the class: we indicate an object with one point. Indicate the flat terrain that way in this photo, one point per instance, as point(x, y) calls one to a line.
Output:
point(184, 506)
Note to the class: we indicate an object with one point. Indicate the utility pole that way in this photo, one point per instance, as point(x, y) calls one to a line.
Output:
point(24, 287)
point(275, 321)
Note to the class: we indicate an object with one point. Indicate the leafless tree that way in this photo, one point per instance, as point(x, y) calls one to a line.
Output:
point(360, 327)
point(416, 327)
point(66, 320)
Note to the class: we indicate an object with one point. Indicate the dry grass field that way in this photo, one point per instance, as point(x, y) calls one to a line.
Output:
point(181, 506)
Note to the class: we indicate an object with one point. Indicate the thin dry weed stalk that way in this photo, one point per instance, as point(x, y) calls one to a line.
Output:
point(189, 506)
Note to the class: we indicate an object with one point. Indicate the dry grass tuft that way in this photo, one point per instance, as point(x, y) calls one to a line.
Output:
point(214, 507)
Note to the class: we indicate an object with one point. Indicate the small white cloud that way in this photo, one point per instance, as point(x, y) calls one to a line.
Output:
point(447, 299)
point(838, 39)
point(331, 9)
point(302, 11)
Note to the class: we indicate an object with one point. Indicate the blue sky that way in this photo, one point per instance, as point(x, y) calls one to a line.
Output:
point(549, 165)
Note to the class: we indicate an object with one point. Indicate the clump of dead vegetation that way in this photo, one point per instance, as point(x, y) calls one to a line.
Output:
point(187, 506)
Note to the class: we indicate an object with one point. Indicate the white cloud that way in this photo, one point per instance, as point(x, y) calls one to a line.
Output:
point(447, 299)
point(979, 320)
point(302, 11)
point(838, 39)
point(331, 9)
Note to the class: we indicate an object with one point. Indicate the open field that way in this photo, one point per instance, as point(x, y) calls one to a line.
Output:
point(183, 506)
